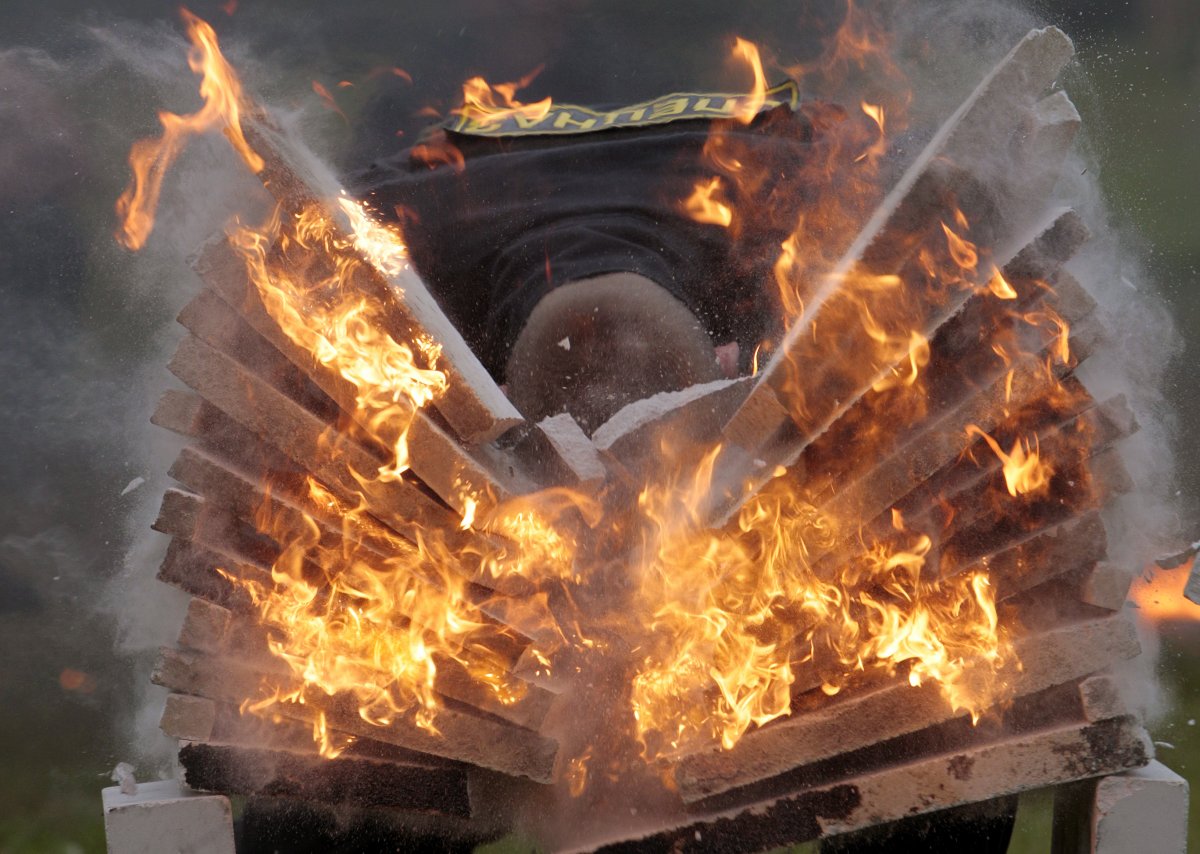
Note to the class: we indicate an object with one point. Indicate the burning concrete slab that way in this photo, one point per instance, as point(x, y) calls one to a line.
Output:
point(867, 581)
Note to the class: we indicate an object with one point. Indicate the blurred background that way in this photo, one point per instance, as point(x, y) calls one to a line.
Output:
point(85, 327)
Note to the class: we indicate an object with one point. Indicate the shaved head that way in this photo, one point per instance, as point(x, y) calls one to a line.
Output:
point(592, 346)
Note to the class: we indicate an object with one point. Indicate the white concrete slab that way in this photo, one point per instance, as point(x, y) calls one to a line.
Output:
point(1143, 810)
point(164, 817)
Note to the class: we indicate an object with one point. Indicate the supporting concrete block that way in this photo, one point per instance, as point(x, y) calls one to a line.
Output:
point(165, 818)
point(1145, 810)
point(1142, 810)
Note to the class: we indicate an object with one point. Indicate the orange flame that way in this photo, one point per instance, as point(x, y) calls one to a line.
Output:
point(748, 108)
point(722, 655)
point(725, 626)
point(488, 103)
point(1024, 470)
point(1159, 597)
point(577, 773)
point(150, 158)
point(876, 113)
point(1000, 287)
point(879, 149)
point(962, 251)
point(1061, 330)
point(704, 204)
point(327, 97)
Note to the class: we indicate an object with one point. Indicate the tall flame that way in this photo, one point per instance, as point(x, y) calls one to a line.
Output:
point(342, 329)
point(749, 107)
point(150, 158)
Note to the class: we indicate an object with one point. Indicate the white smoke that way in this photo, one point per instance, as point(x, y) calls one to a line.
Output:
point(1142, 338)
point(85, 381)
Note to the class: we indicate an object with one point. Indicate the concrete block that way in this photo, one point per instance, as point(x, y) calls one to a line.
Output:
point(188, 718)
point(165, 818)
point(1107, 586)
point(204, 626)
point(1102, 698)
point(1143, 810)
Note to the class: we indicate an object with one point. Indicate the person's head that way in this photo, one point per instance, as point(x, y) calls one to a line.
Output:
point(590, 347)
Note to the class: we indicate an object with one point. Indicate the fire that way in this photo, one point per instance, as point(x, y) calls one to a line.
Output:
point(873, 154)
point(876, 113)
point(731, 618)
point(1049, 319)
point(491, 103)
point(704, 204)
point(1158, 594)
point(912, 355)
point(1025, 472)
point(150, 158)
point(748, 52)
point(327, 98)
point(963, 252)
point(378, 624)
point(370, 621)
point(344, 331)
point(577, 773)
point(1000, 287)
point(714, 631)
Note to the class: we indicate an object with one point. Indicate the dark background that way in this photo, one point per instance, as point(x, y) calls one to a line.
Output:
point(83, 333)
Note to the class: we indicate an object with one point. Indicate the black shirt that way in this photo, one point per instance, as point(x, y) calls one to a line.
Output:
point(502, 221)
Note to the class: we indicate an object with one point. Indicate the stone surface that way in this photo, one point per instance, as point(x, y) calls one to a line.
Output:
point(1143, 810)
point(464, 736)
point(575, 449)
point(1007, 765)
point(188, 718)
point(165, 818)
point(1107, 586)
point(1050, 658)
point(1102, 698)
point(698, 409)
point(347, 780)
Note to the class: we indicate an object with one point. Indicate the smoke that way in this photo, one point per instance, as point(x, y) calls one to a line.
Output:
point(87, 331)
point(69, 400)
point(206, 190)
point(1142, 342)
point(1142, 339)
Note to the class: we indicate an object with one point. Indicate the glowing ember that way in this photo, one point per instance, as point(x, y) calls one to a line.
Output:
point(76, 680)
